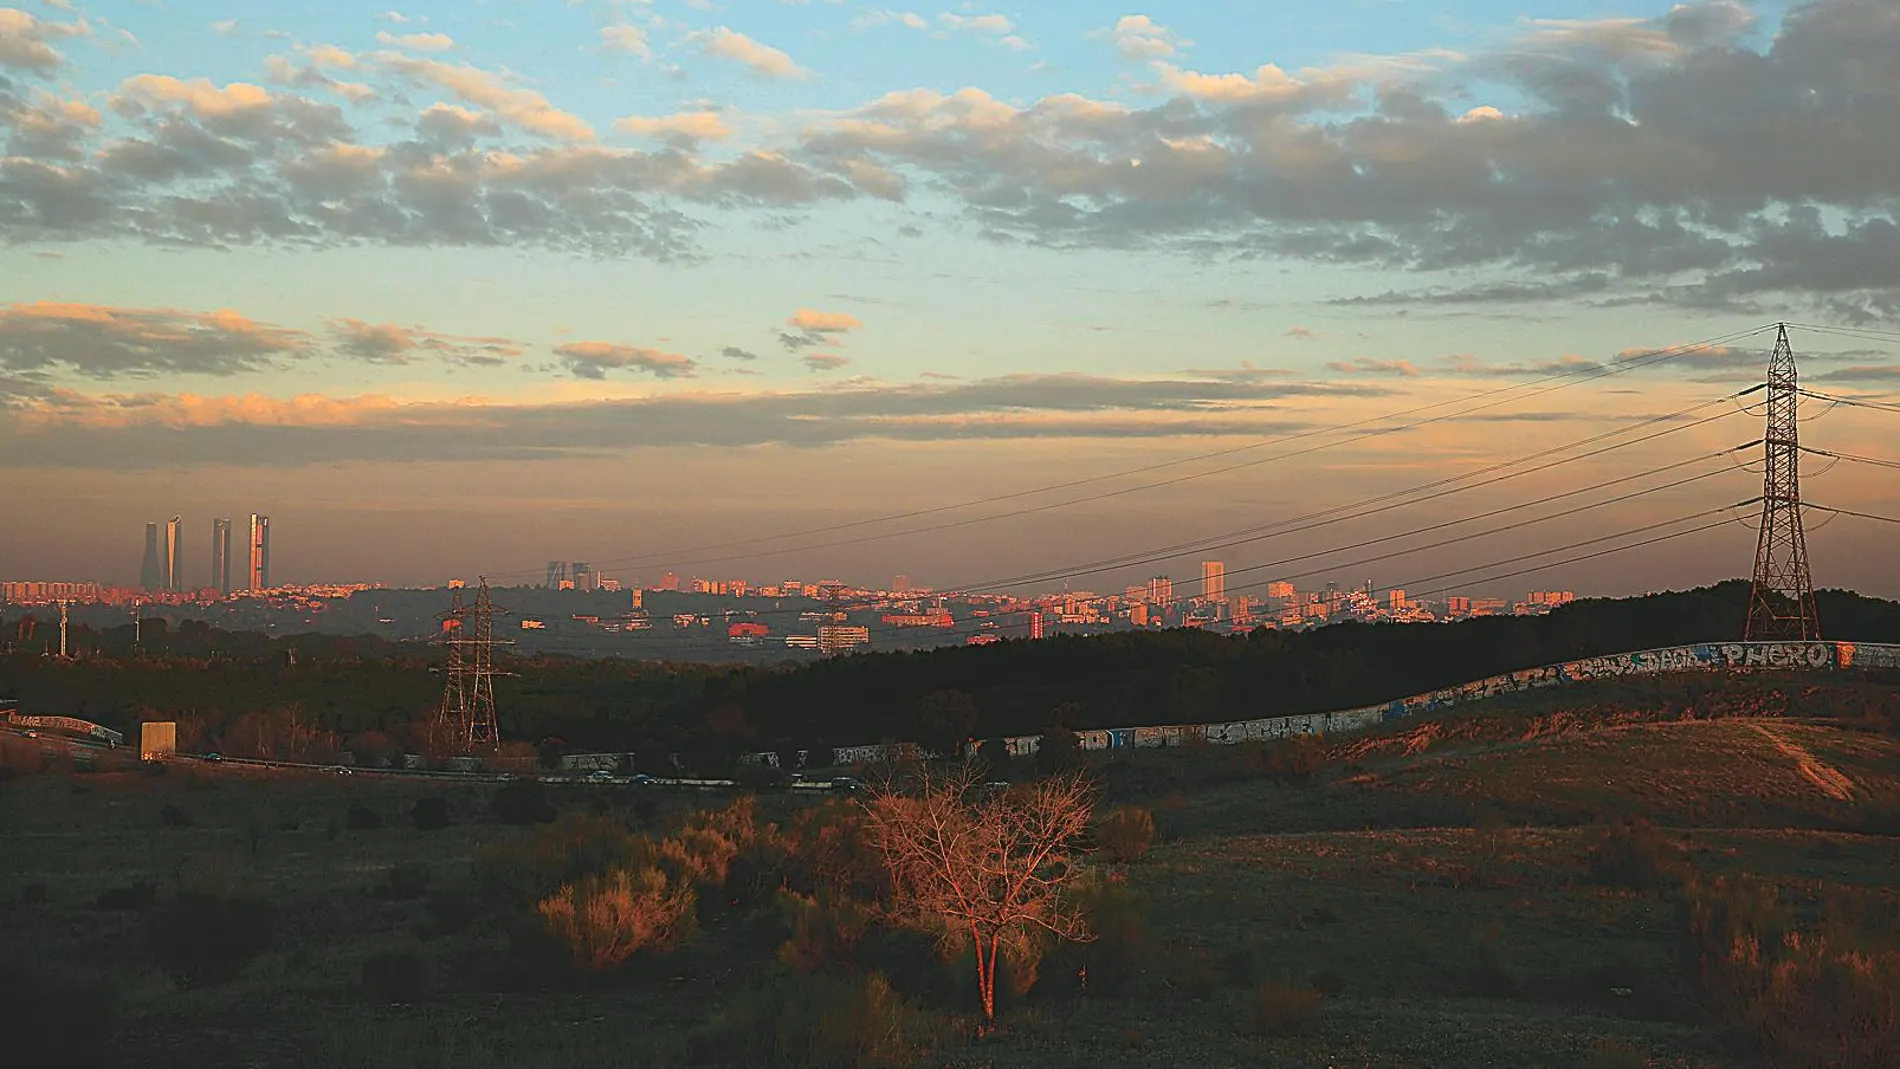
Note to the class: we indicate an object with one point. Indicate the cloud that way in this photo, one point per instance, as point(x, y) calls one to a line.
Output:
point(225, 26)
point(811, 327)
point(399, 18)
point(1140, 37)
point(688, 126)
point(1302, 333)
point(1627, 168)
point(593, 359)
point(389, 343)
point(1869, 373)
point(419, 42)
point(824, 322)
point(825, 361)
point(993, 25)
point(524, 107)
point(24, 40)
point(103, 342)
point(882, 18)
point(68, 429)
point(764, 60)
point(733, 352)
point(1365, 365)
point(622, 37)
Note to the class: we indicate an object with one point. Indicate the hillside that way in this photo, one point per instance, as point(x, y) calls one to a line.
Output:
point(1478, 890)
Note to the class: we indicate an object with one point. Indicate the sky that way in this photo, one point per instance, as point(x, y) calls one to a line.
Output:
point(458, 288)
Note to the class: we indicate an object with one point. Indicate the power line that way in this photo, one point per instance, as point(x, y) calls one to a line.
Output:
point(1876, 461)
point(1882, 406)
point(1342, 513)
point(1410, 550)
point(1857, 515)
point(1586, 556)
point(1568, 379)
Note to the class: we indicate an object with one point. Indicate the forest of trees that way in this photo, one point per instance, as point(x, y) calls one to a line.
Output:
point(709, 713)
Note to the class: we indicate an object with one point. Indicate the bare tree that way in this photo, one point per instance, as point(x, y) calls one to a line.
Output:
point(990, 865)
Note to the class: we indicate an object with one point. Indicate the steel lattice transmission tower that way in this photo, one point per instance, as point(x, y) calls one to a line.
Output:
point(483, 730)
point(451, 720)
point(1781, 604)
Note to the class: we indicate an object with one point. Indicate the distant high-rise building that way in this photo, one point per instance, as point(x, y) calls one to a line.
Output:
point(901, 585)
point(1213, 580)
point(1282, 590)
point(557, 572)
point(1035, 624)
point(1395, 599)
point(259, 578)
point(174, 554)
point(670, 581)
point(1457, 606)
point(221, 556)
point(151, 573)
point(583, 575)
point(1161, 590)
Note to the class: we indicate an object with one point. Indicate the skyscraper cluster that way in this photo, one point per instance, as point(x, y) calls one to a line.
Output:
point(163, 570)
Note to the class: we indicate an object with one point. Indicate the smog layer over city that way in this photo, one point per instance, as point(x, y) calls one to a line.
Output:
point(806, 533)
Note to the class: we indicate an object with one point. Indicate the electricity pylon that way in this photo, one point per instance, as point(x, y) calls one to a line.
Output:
point(1781, 603)
point(451, 720)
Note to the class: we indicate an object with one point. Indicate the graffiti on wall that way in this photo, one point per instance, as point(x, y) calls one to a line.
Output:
point(1698, 657)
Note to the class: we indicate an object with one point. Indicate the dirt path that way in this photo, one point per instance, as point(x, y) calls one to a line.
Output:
point(1829, 780)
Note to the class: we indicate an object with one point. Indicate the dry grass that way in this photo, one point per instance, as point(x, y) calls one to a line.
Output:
point(1388, 878)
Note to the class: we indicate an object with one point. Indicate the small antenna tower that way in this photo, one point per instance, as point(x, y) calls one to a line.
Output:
point(1781, 603)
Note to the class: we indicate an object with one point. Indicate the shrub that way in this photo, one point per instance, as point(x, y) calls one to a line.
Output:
point(138, 895)
point(1125, 834)
point(1059, 751)
point(203, 939)
point(1632, 854)
point(1237, 966)
point(826, 931)
point(1288, 760)
point(607, 920)
point(1327, 982)
point(522, 801)
point(174, 817)
point(430, 814)
point(1108, 964)
point(1614, 1054)
point(809, 1023)
point(362, 818)
point(994, 753)
point(47, 1021)
point(573, 848)
point(1488, 976)
point(407, 880)
point(395, 976)
point(1280, 1009)
point(1815, 997)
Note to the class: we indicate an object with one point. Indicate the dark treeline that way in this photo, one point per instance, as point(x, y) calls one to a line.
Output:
point(710, 712)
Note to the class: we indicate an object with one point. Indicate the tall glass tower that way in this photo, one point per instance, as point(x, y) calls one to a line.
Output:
point(174, 554)
point(260, 552)
point(151, 576)
point(221, 556)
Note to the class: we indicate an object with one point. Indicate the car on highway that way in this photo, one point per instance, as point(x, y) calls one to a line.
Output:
point(338, 770)
point(214, 757)
point(600, 775)
point(643, 779)
point(846, 783)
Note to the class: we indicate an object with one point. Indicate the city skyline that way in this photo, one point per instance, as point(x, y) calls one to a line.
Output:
point(446, 284)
